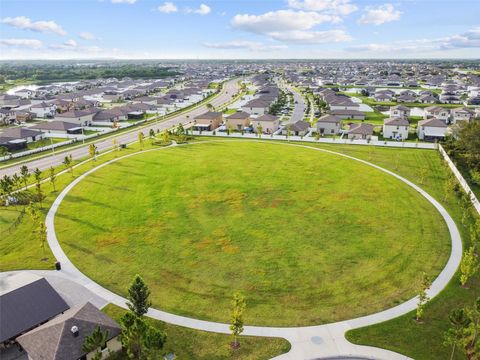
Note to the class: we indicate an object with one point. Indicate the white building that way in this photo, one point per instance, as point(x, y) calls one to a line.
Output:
point(431, 129)
point(396, 128)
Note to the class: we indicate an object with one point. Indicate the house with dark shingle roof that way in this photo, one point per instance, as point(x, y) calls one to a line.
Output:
point(299, 128)
point(360, 131)
point(27, 301)
point(62, 338)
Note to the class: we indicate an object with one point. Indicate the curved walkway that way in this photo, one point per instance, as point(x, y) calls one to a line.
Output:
point(311, 342)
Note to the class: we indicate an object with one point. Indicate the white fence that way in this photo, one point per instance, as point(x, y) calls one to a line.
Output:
point(460, 178)
point(327, 140)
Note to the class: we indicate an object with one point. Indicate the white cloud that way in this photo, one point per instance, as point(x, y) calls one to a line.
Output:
point(23, 43)
point(311, 37)
point(380, 14)
point(167, 8)
point(341, 7)
point(244, 44)
point(281, 20)
point(22, 22)
point(467, 40)
point(85, 35)
point(67, 45)
point(124, 1)
point(203, 9)
point(291, 26)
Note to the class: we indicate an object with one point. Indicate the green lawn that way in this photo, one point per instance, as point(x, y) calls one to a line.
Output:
point(189, 344)
point(404, 335)
point(307, 236)
point(44, 142)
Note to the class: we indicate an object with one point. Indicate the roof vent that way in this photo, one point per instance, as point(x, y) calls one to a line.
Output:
point(74, 330)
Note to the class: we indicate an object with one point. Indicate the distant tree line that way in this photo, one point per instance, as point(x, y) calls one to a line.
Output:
point(71, 72)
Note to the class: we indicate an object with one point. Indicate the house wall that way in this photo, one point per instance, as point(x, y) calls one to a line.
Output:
point(267, 126)
point(438, 131)
point(395, 132)
point(343, 107)
point(237, 124)
point(399, 113)
point(255, 111)
point(328, 128)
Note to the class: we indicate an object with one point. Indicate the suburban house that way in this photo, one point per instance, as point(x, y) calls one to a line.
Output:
point(360, 131)
point(396, 128)
point(462, 114)
point(257, 107)
point(18, 138)
point(58, 127)
point(268, 123)
point(27, 301)
point(299, 128)
point(208, 121)
point(431, 129)
point(238, 120)
point(44, 110)
point(329, 124)
point(62, 337)
point(79, 117)
point(437, 112)
point(348, 114)
point(399, 111)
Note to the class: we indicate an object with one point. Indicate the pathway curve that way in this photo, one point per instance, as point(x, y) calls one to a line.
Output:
point(310, 342)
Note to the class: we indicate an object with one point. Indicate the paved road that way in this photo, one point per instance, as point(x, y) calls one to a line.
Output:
point(300, 106)
point(230, 88)
point(311, 342)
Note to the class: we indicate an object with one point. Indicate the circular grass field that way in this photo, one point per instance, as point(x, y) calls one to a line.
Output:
point(307, 236)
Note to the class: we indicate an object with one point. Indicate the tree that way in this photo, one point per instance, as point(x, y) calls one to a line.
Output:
point(259, 130)
point(151, 135)
point(40, 230)
point(6, 186)
point(139, 339)
point(3, 151)
point(423, 175)
point(95, 341)
point(24, 173)
point(236, 320)
point(469, 265)
point(92, 151)
point(165, 137)
point(422, 296)
point(289, 132)
point(468, 135)
point(138, 294)
point(16, 181)
point(141, 138)
point(38, 183)
point(454, 336)
point(52, 177)
point(210, 107)
point(68, 162)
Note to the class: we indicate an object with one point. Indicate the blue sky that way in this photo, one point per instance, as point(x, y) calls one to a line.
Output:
point(229, 29)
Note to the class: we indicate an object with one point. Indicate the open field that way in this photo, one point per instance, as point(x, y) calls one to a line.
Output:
point(322, 239)
point(404, 335)
point(189, 344)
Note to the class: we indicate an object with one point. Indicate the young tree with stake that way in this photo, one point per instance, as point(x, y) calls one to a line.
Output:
point(236, 322)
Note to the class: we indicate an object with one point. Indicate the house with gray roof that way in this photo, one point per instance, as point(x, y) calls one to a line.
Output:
point(62, 338)
point(329, 125)
point(396, 128)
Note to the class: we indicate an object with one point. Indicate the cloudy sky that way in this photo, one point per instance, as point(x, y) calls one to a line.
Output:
point(226, 29)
